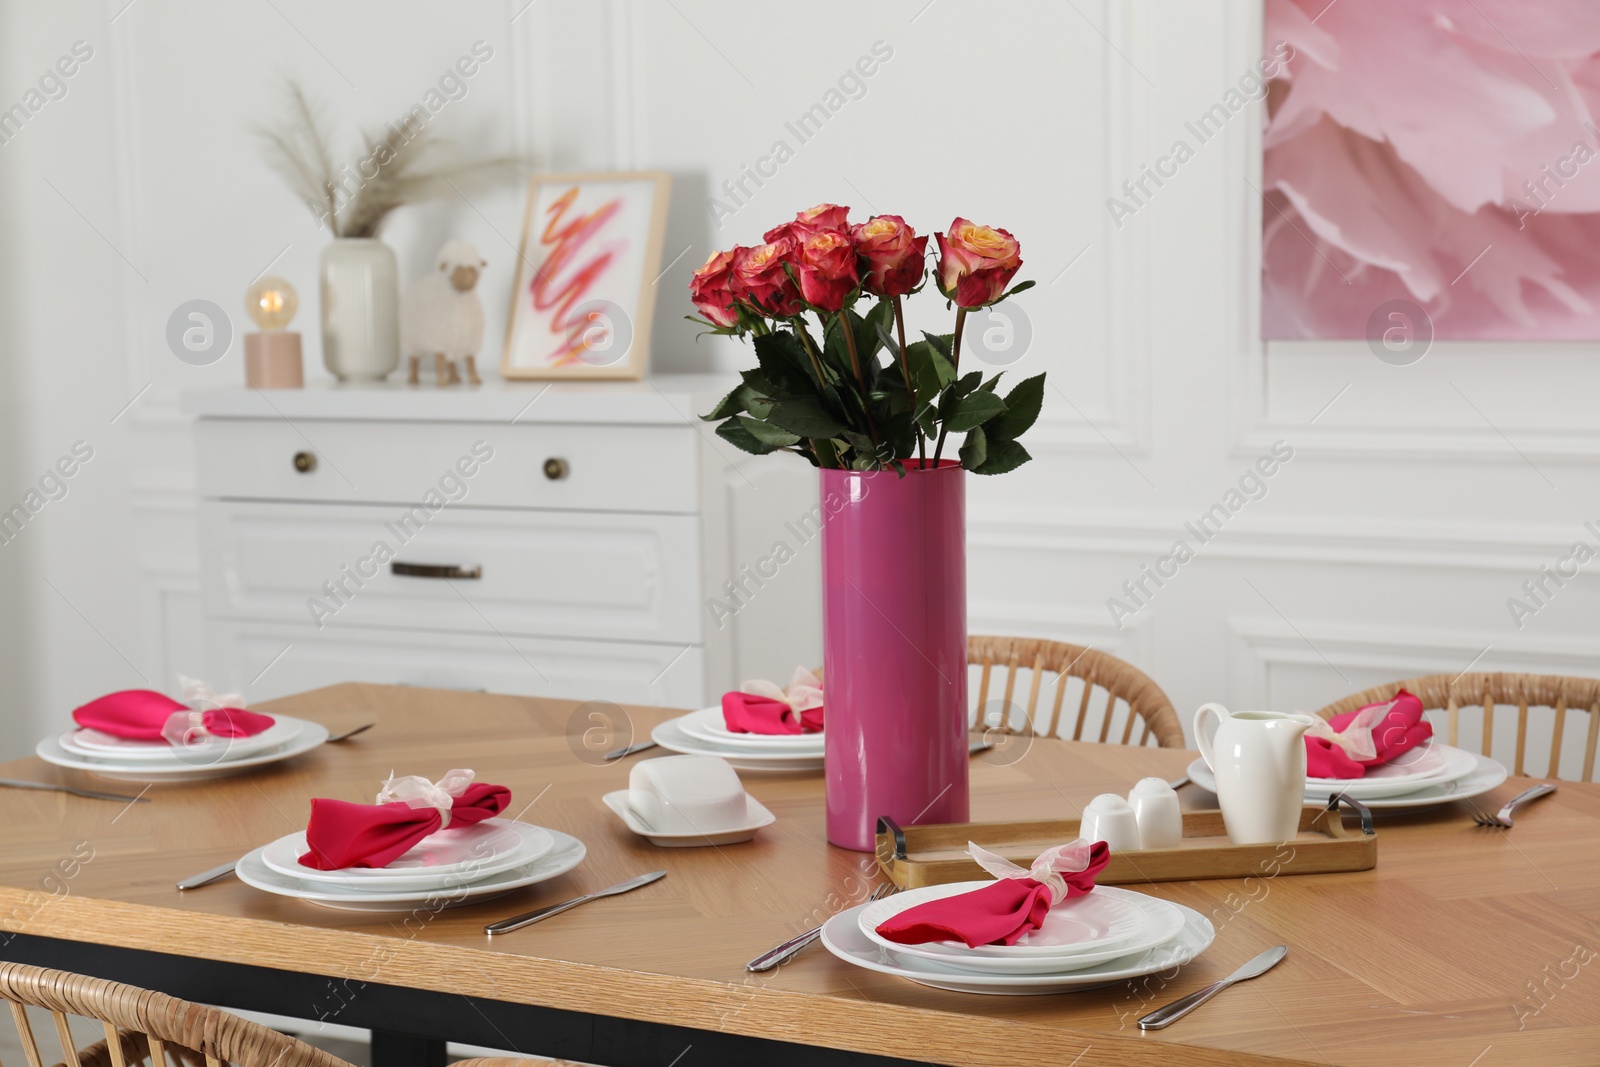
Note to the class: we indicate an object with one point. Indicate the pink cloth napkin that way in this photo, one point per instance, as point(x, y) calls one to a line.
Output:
point(1399, 731)
point(341, 834)
point(746, 713)
point(997, 914)
point(141, 714)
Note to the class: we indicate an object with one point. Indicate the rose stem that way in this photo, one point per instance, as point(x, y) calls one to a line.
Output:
point(955, 360)
point(855, 364)
point(811, 350)
point(905, 371)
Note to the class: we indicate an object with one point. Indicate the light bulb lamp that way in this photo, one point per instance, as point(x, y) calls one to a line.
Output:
point(272, 355)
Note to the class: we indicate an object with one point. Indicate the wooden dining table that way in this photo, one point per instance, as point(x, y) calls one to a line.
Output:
point(1463, 947)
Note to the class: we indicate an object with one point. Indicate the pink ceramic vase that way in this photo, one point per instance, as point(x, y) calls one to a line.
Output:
point(894, 604)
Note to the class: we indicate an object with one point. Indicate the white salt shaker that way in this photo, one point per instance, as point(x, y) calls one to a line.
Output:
point(1156, 810)
point(1109, 818)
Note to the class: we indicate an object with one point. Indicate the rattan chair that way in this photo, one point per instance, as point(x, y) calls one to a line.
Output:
point(1565, 697)
point(142, 1026)
point(1130, 697)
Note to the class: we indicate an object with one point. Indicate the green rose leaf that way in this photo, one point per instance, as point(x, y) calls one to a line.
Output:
point(1003, 456)
point(1022, 409)
point(973, 411)
point(731, 404)
point(758, 383)
point(974, 450)
point(784, 362)
point(805, 415)
point(734, 432)
point(767, 433)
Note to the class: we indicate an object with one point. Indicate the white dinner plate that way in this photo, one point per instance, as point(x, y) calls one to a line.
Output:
point(843, 937)
point(1078, 924)
point(756, 817)
point(670, 737)
point(50, 750)
point(1163, 922)
point(1486, 774)
point(474, 852)
point(566, 854)
point(1444, 764)
point(707, 724)
point(92, 744)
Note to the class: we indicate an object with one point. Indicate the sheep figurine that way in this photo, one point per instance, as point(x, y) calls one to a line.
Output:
point(441, 316)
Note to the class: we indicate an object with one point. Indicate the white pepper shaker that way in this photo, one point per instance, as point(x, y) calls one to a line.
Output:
point(1108, 818)
point(1155, 808)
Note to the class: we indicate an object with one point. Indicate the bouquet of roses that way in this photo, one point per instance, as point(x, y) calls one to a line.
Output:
point(827, 395)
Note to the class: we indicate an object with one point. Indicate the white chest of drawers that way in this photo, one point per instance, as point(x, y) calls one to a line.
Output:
point(565, 541)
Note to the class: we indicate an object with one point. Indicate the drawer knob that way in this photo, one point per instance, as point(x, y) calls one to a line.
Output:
point(305, 462)
point(555, 468)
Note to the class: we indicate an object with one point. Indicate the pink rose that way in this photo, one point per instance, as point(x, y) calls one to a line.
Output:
point(810, 221)
point(894, 253)
point(760, 280)
point(827, 269)
point(712, 288)
point(976, 263)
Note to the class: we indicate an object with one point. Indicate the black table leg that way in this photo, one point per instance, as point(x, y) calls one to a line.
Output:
point(405, 1050)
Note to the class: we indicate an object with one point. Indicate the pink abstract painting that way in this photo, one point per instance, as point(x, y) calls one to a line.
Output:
point(1440, 152)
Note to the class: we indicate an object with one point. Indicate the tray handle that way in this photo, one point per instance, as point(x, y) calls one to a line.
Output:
point(1356, 806)
point(887, 825)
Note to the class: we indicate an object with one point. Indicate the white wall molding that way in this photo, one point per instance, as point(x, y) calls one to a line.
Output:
point(1298, 538)
point(1257, 644)
point(1086, 625)
point(1119, 421)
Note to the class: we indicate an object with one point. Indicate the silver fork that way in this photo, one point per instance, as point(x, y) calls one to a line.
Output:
point(791, 948)
point(1503, 818)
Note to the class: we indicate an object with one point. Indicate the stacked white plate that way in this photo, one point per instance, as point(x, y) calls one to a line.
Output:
point(158, 761)
point(457, 865)
point(1434, 774)
point(1108, 935)
point(704, 733)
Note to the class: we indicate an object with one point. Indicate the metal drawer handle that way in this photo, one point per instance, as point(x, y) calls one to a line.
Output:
point(555, 468)
point(305, 462)
point(435, 570)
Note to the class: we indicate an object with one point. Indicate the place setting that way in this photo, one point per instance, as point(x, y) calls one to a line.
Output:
point(1047, 928)
point(420, 843)
point(759, 727)
point(1382, 754)
point(140, 735)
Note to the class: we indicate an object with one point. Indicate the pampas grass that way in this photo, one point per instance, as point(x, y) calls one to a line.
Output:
point(397, 168)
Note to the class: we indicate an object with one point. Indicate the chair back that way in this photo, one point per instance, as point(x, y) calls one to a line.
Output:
point(1116, 702)
point(142, 1025)
point(1573, 704)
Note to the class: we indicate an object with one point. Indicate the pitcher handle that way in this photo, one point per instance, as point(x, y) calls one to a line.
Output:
point(1203, 736)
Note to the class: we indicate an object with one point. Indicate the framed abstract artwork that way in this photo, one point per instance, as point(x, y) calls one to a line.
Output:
point(1432, 166)
point(586, 276)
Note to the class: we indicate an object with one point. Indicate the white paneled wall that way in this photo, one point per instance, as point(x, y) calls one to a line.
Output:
point(1417, 500)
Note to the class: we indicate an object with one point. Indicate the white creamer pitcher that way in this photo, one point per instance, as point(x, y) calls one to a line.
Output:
point(1259, 760)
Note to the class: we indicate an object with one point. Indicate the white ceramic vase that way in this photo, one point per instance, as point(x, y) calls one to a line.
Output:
point(360, 290)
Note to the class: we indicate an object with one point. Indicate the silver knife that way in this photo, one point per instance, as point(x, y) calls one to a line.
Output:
point(517, 922)
point(627, 750)
point(207, 877)
point(52, 787)
point(1171, 1013)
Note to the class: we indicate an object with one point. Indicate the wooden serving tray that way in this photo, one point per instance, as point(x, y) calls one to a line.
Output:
point(932, 855)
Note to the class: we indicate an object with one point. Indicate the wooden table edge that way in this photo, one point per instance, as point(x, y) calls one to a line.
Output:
point(708, 1005)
